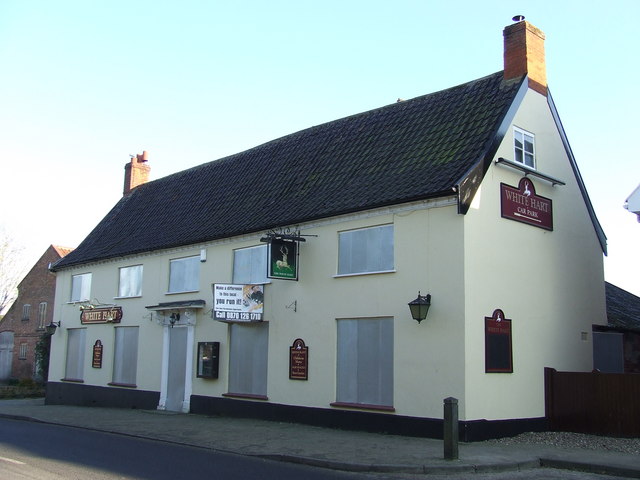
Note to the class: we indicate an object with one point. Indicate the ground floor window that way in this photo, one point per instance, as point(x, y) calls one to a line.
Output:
point(125, 356)
point(22, 353)
point(365, 362)
point(74, 366)
point(248, 353)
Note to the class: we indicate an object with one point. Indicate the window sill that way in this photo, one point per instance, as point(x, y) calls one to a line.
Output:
point(73, 380)
point(340, 275)
point(363, 406)
point(126, 385)
point(249, 396)
point(132, 296)
point(182, 291)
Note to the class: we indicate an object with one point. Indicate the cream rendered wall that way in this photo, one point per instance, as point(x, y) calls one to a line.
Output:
point(423, 359)
point(428, 357)
point(550, 283)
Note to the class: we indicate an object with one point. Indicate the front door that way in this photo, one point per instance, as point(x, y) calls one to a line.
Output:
point(6, 354)
point(176, 374)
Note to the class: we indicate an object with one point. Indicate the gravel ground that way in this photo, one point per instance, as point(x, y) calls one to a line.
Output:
point(575, 440)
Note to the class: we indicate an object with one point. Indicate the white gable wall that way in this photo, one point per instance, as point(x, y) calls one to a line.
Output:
point(550, 283)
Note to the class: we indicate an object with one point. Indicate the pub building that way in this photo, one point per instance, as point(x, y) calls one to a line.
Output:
point(355, 274)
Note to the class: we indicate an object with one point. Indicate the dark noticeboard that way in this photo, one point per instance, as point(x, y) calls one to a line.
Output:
point(96, 362)
point(283, 259)
point(208, 359)
point(497, 343)
point(298, 360)
point(523, 205)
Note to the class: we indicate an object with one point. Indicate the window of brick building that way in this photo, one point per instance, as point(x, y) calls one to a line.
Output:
point(22, 353)
point(42, 314)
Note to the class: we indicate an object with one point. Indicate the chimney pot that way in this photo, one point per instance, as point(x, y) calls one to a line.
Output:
point(136, 172)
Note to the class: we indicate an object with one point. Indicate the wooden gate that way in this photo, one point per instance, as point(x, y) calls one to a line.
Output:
point(594, 403)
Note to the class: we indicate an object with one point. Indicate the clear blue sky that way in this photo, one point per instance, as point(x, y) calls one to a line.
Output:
point(86, 83)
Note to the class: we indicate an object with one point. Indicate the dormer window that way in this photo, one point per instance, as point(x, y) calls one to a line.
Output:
point(524, 147)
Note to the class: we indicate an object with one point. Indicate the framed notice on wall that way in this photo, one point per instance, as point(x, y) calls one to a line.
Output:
point(299, 360)
point(497, 343)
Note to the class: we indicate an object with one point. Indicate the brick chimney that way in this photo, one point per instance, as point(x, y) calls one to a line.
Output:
point(524, 54)
point(136, 172)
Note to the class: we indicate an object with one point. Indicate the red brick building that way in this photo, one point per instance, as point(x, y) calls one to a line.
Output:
point(25, 321)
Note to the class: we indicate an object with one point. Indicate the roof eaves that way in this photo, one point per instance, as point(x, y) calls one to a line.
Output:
point(468, 184)
point(602, 238)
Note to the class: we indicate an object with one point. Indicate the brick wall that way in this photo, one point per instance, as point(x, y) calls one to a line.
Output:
point(36, 287)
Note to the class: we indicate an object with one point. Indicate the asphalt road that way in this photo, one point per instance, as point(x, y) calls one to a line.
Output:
point(37, 451)
point(30, 450)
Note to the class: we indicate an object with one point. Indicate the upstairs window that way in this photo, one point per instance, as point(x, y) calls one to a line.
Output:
point(42, 314)
point(130, 284)
point(366, 250)
point(81, 287)
point(184, 274)
point(524, 146)
point(26, 311)
point(250, 265)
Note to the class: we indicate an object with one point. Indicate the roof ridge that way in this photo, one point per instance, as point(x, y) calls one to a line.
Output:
point(319, 126)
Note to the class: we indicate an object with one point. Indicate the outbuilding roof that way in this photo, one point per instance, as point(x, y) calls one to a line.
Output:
point(623, 308)
point(407, 151)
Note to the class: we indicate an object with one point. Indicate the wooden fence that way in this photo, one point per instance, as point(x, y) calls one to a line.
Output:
point(594, 403)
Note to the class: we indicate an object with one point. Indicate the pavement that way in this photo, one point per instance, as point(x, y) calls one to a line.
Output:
point(322, 447)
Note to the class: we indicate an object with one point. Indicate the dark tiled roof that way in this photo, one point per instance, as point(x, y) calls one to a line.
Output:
point(410, 150)
point(623, 308)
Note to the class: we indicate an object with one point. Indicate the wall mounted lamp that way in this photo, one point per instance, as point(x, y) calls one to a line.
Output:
point(51, 328)
point(175, 317)
point(420, 306)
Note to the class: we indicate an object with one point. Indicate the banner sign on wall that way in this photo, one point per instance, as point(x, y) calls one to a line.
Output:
point(283, 259)
point(238, 303)
point(523, 205)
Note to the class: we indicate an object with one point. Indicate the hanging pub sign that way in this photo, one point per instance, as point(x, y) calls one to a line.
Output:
point(523, 205)
point(101, 315)
point(283, 259)
point(298, 360)
point(238, 303)
point(497, 343)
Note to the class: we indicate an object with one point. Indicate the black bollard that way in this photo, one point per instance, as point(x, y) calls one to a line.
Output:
point(450, 428)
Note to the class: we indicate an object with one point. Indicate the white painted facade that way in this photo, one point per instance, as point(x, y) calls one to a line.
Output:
point(549, 283)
